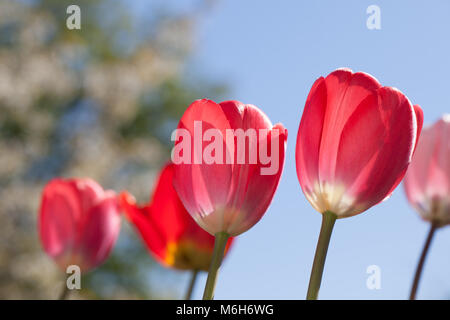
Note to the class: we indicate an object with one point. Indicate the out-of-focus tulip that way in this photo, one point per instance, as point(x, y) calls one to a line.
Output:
point(79, 222)
point(169, 232)
point(427, 184)
point(355, 142)
point(229, 160)
point(427, 181)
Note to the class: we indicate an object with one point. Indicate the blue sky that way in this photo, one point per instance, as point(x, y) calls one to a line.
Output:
point(270, 53)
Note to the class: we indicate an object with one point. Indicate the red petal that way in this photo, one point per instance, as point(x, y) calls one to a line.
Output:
point(203, 187)
point(58, 219)
point(233, 111)
point(254, 200)
point(345, 92)
point(166, 210)
point(416, 180)
point(253, 119)
point(88, 191)
point(376, 146)
point(419, 117)
point(309, 136)
point(155, 239)
point(100, 230)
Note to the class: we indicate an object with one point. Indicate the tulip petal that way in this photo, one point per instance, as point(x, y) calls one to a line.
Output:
point(100, 230)
point(429, 173)
point(59, 212)
point(252, 119)
point(168, 213)
point(420, 169)
point(439, 184)
point(309, 136)
point(345, 92)
point(375, 147)
point(419, 117)
point(195, 182)
point(89, 192)
point(233, 111)
point(156, 239)
point(256, 200)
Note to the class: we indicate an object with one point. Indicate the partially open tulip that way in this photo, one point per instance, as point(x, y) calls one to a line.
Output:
point(427, 183)
point(228, 162)
point(170, 233)
point(79, 222)
point(354, 144)
point(230, 190)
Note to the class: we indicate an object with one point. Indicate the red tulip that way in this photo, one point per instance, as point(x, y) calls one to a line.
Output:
point(355, 142)
point(79, 222)
point(427, 181)
point(229, 160)
point(170, 233)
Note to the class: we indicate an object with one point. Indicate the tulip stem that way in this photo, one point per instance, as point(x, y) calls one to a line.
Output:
point(219, 250)
point(194, 275)
point(423, 256)
point(328, 220)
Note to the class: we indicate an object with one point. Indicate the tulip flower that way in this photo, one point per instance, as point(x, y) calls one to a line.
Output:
point(171, 235)
point(427, 183)
point(228, 162)
point(354, 144)
point(79, 222)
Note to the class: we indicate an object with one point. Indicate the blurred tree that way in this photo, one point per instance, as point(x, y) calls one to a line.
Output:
point(98, 102)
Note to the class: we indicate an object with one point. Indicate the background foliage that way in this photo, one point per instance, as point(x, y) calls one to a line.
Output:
point(98, 102)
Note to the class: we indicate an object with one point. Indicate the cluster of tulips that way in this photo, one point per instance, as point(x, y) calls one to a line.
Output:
point(355, 142)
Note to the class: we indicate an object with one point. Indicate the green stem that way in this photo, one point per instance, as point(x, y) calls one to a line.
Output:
point(191, 285)
point(328, 220)
point(423, 256)
point(219, 250)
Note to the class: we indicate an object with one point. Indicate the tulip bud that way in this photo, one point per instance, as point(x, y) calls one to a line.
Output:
point(79, 222)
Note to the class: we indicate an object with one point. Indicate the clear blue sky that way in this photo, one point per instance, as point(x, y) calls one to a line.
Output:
point(270, 54)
